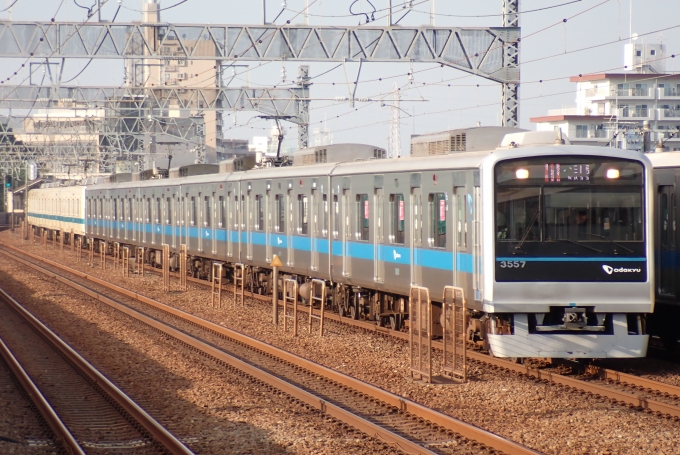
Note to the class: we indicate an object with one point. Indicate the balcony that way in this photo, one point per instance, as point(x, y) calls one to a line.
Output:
point(638, 114)
point(591, 134)
point(669, 114)
point(631, 92)
point(670, 92)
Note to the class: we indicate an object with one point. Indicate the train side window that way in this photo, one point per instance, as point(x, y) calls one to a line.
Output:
point(259, 212)
point(397, 215)
point(222, 214)
point(182, 208)
point(461, 234)
point(336, 217)
point(363, 217)
point(158, 210)
point(324, 217)
point(168, 212)
point(89, 208)
point(437, 220)
point(129, 206)
point(280, 213)
point(101, 208)
point(148, 210)
point(207, 215)
point(192, 213)
point(115, 209)
point(302, 214)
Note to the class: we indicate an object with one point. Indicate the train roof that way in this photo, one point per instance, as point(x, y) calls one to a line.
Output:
point(461, 160)
point(664, 159)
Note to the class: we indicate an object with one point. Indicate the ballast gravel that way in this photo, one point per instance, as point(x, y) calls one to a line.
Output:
point(211, 408)
point(546, 417)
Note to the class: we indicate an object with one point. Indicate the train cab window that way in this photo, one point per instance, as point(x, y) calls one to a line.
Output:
point(324, 217)
point(303, 224)
point(397, 216)
point(336, 217)
point(363, 217)
point(280, 209)
point(192, 212)
point(665, 222)
point(207, 215)
point(259, 212)
point(221, 207)
point(168, 211)
point(437, 220)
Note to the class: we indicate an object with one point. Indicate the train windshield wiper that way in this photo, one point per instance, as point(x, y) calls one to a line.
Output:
point(579, 244)
point(609, 239)
point(527, 229)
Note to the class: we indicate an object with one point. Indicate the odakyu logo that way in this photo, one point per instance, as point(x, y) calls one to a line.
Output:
point(609, 270)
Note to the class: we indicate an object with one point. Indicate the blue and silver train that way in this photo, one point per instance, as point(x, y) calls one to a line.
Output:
point(551, 242)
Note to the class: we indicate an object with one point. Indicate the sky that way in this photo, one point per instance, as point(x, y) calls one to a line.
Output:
point(590, 41)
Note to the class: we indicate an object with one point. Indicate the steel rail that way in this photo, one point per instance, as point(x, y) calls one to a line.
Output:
point(61, 434)
point(403, 404)
point(156, 430)
point(627, 398)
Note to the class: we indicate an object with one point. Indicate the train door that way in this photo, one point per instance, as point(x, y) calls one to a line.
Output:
point(213, 223)
point(477, 243)
point(249, 223)
point(667, 239)
point(416, 226)
point(268, 223)
point(290, 225)
point(462, 259)
point(230, 223)
point(378, 235)
point(346, 230)
point(313, 231)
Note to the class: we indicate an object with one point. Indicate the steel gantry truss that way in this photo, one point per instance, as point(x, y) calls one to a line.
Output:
point(158, 101)
point(137, 112)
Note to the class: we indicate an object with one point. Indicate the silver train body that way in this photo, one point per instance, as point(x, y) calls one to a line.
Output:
point(374, 228)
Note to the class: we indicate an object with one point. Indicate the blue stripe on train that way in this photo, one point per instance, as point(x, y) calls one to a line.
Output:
point(65, 219)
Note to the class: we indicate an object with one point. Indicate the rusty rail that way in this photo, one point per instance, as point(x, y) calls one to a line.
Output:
point(630, 399)
point(61, 433)
point(156, 430)
point(466, 430)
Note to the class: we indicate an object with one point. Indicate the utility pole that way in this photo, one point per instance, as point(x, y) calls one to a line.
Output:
point(303, 113)
point(510, 91)
point(394, 144)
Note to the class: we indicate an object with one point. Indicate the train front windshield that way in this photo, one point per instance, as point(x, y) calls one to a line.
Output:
point(570, 219)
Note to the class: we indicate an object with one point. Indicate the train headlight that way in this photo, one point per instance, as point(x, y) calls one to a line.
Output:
point(613, 173)
point(522, 173)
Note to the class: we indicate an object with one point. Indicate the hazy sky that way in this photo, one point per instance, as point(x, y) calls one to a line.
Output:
point(550, 51)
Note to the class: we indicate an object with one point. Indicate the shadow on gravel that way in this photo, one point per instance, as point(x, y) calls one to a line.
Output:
point(160, 390)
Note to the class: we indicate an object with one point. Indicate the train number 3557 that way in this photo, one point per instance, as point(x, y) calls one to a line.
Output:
point(513, 264)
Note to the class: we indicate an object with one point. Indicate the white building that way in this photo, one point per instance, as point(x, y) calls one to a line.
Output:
point(616, 108)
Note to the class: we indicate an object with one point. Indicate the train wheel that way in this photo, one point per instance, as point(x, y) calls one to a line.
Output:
point(353, 313)
point(395, 322)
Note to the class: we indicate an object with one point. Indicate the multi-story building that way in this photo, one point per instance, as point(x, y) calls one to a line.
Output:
point(615, 109)
point(178, 71)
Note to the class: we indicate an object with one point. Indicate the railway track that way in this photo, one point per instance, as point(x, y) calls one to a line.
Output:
point(634, 391)
point(626, 389)
point(85, 412)
point(392, 419)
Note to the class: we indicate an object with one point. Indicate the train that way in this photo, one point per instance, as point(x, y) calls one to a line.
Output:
point(552, 243)
point(667, 292)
